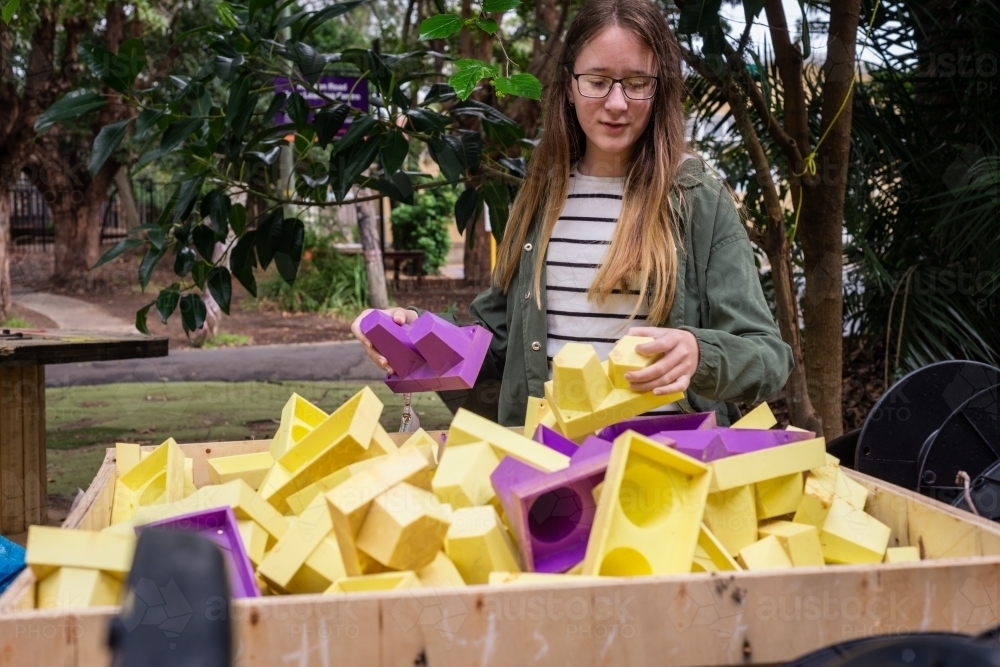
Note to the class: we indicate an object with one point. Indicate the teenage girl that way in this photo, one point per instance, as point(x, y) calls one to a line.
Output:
point(619, 230)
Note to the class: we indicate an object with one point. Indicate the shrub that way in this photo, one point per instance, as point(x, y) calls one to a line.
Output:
point(424, 226)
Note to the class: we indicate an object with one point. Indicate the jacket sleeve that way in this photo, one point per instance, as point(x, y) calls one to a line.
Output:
point(742, 356)
point(489, 310)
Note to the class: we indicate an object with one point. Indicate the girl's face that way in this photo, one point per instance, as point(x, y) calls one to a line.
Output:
point(613, 123)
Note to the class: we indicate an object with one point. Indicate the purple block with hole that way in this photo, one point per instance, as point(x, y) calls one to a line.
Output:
point(551, 514)
point(654, 424)
point(592, 447)
point(430, 354)
point(716, 443)
point(218, 525)
point(546, 436)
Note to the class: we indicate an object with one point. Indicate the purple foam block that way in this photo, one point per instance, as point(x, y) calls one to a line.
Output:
point(656, 423)
point(392, 341)
point(700, 445)
point(441, 343)
point(546, 436)
point(592, 447)
point(219, 525)
point(461, 376)
point(551, 514)
point(717, 443)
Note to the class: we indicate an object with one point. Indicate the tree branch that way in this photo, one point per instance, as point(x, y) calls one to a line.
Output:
point(789, 61)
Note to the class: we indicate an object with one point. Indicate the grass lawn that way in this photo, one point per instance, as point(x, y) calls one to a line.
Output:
point(83, 421)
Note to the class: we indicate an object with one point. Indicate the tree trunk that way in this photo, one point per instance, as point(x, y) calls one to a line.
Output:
point(822, 224)
point(126, 198)
point(5, 211)
point(374, 267)
point(476, 260)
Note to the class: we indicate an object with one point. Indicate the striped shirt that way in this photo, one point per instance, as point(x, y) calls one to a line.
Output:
point(579, 241)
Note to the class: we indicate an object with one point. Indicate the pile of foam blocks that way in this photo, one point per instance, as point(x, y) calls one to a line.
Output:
point(334, 506)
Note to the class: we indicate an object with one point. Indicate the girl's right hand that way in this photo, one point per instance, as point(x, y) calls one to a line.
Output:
point(399, 316)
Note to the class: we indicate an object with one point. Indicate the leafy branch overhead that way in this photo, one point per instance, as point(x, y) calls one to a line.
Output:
point(348, 120)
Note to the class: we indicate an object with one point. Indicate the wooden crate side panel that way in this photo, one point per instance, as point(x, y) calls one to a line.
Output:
point(56, 638)
point(94, 510)
point(12, 491)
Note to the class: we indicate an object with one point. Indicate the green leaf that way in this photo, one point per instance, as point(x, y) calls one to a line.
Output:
point(239, 95)
point(177, 132)
point(267, 237)
point(193, 312)
point(226, 68)
point(425, 120)
point(395, 146)
point(216, 206)
point(149, 262)
point(491, 6)
point(247, 279)
point(166, 303)
point(347, 166)
point(522, 85)
point(324, 15)
point(298, 110)
point(451, 166)
point(328, 122)
point(487, 25)
point(806, 48)
point(358, 129)
point(121, 247)
point(498, 197)
point(132, 57)
point(140, 319)
point(73, 105)
point(697, 16)
point(466, 207)
point(107, 140)
point(472, 149)
point(440, 26)
point(199, 273)
point(106, 66)
point(148, 119)
point(398, 188)
point(9, 9)
point(184, 261)
point(238, 219)
point(288, 254)
point(204, 241)
point(752, 9)
point(220, 286)
point(470, 73)
point(242, 255)
point(188, 194)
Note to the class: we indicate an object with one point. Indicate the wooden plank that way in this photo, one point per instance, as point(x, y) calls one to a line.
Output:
point(41, 347)
point(12, 490)
point(33, 441)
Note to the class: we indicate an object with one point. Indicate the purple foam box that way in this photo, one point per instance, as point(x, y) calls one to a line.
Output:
point(219, 525)
point(430, 354)
point(560, 443)
point(716, 443)
point(551, 514)
point(656, 423)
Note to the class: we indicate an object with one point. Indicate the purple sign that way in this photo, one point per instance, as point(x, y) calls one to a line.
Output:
point(348, 89)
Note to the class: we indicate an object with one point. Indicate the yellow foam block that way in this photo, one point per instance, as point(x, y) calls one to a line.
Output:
point(477, 543)
point(404, 528)
point(49, 548)
point(440, 573)
point(463, 477)
point(127, 456)
point(840, 485)
point(732, 517)
point(349, 428)
point(596, 491)
point(623, 359)
point(536, 410)
point(299, 500)
point(528, 578)
point(298, 417)
point(324, 566)
point(831, 460)
point(817, 497)
point(797, 429)
point(766, 464)
point(254, 538)
point(251, 468)
point(304, 534)
point(157, 478)
point(778, 496)
point(349, 501)
point(799, 540)
point(468, 427)
point(901, 555)
point(653, 496)
point(851, 536)
point(760, 418)
point(579, 382)
point(189, 486)
point(549, 420)
point(381, 443)
point(427, 445)
point(618, 405)
point(371, 583)
point(77, 588)
point(711, 555)
point(765, 554)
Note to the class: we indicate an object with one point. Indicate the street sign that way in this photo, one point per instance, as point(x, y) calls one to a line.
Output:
point(348, 89)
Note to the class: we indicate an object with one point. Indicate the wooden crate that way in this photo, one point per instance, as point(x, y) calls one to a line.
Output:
point(737, 619)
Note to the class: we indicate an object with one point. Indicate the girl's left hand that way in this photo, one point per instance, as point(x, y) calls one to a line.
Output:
point(674, 370)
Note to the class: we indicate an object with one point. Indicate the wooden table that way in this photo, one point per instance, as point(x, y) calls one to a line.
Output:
point(24, 353)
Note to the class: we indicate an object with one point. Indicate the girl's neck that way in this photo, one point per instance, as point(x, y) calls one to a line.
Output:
point(602, 166)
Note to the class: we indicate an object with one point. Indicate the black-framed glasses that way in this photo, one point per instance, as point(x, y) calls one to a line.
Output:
point(634, 87)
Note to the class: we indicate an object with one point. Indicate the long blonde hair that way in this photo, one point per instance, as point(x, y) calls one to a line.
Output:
point(642, 254)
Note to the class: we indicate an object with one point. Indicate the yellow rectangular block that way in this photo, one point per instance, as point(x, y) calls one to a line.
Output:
point(799, 540)
point(157, 478)
point(350, 500)
point(766, 464)
point(798, 430)
point(127, 456)
point(381, 443)
point(298, 417)
point(537, 408)
point(463, 477)
point(189, 486)
point(579, 381)
point(760, 418)
point(817, 497)
point(624, 359)
point(778, 496)
point(304, 534)
point(765, 554)
point(441, 573)
point(902, 555)
point(534, 578)
point(254, 539)
point(468, 427)
point(251, 468)
point(404, 528)
point(76, 588)
point(349, 428)
point(323, 567)
point(477, 543)
point(49, 548)
point(850, 536)
point(652, 496)
point(428, 446)
point(732, 517)
point(840, 485)
point(711, 555)
point(372, 583)
point(299, 500)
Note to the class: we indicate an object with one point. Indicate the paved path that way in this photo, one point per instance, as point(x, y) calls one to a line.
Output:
point(70, 313)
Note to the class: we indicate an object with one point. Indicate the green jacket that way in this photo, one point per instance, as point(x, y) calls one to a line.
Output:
point(719, 300)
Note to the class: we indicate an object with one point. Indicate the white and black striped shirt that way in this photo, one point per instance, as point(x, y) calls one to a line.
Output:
point(579, 241)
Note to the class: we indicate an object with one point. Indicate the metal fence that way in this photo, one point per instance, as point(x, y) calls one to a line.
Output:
point(31, 224)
